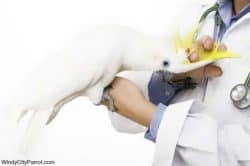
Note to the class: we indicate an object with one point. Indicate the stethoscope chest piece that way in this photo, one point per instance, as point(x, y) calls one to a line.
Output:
point(240, 95)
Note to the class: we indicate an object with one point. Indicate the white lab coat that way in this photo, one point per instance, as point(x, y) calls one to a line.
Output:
point(212, 133)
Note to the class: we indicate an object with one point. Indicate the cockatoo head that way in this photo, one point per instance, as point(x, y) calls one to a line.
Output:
point(155, 54)
point(150, 55)
point(179, 59)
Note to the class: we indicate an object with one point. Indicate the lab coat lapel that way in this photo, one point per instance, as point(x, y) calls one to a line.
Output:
point(242, 20)
point(168, 135)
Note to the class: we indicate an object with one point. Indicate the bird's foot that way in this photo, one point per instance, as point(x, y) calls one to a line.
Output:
point(106, 98)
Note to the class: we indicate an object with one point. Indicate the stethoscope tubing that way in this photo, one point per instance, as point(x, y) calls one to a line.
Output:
point(218, 23)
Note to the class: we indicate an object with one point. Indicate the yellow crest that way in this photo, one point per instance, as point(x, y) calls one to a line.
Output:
point(188, 40)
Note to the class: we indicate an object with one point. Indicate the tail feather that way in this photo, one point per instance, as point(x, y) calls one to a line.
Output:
point(15, 112)
point(33, 131)
point(22, 114)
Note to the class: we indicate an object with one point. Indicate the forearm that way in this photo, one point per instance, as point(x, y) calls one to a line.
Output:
point(141, 113)
point(130, 102)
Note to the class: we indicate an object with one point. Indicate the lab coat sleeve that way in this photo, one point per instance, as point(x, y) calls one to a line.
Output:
point(120, 123)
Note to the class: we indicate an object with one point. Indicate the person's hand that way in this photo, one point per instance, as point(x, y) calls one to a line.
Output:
point(206, 43)
point(207, 71)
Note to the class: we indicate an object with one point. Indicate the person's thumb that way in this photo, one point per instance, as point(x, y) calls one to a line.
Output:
point(212, 71)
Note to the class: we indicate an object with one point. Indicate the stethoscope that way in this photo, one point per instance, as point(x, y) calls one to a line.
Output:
point(240, 93)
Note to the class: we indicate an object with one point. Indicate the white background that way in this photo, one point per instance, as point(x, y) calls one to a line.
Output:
point(82, 133)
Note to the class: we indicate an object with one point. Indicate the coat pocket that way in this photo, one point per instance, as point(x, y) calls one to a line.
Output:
point(243, 162)
point(199, 133)
point(239, 142)
point(243, 158)
point(197, 144)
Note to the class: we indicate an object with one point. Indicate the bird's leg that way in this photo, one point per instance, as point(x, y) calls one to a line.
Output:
point(95, 93)
point(107, 98)
point(61, 103)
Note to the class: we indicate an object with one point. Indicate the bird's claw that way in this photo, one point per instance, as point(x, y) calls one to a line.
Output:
point(51, 117)
point(107, 98)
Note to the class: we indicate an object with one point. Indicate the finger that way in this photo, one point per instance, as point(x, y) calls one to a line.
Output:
point(212, 71)
point(206, 42)
point(193, 55)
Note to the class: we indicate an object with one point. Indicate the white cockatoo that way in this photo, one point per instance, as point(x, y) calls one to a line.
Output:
point(88, 63)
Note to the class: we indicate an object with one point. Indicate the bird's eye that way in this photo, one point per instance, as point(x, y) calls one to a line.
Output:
point(165, 63)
